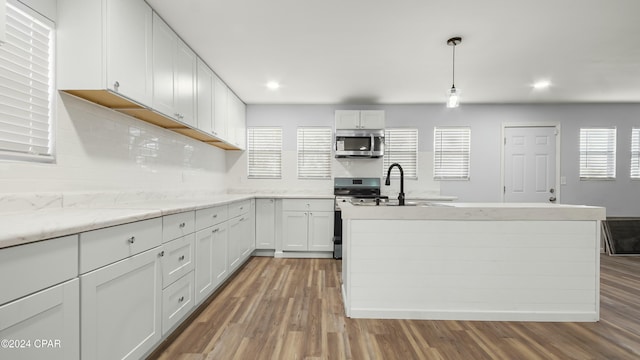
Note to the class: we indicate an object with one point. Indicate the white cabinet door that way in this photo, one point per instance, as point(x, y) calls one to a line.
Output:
point(185, 83)
point(294, 230)
point(204, 280)
point(120, 315)
point(372, 119)
point(246, 240)
point(49, 320)
point(234, 246)
point(220, 253)
point(164, 52)
point(211, 260)
point(220, 114)
point(204, 95)
point(347, 119)
point(321, 231)
point(265, 224)
point(128, 39)
point(236, 123)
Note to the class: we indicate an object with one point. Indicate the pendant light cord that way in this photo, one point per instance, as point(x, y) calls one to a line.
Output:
point(453, 84)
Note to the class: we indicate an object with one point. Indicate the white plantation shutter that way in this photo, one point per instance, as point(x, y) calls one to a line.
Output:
point(635, 153)
point(264, 153)
point(451, 153)
point(401, 146)
point(597, 153)
point(26, 86)
point(314, 153)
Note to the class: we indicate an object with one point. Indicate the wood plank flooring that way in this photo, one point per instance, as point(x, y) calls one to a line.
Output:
point(292, 309)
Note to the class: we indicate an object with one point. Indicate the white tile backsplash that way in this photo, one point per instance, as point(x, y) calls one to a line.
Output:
point(101, 150)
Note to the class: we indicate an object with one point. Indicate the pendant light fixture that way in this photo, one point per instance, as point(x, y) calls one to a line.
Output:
point(453, 99)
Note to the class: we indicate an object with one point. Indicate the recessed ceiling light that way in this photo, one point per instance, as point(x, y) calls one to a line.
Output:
point(273, 85)
point(542, 84)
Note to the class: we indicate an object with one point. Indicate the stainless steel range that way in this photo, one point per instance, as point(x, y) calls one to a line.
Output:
point(351, 190)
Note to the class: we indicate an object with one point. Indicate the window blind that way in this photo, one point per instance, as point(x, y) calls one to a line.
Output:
point(26, 86)
point(314, 153)
point(401, 146)
point(635, 153)
point(264, 153)
point(597, 153)
point(451, 153)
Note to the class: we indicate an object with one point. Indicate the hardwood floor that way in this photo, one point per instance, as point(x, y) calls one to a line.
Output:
point(292, 309)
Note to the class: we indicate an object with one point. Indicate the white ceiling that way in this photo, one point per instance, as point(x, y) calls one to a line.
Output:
point(395, 52)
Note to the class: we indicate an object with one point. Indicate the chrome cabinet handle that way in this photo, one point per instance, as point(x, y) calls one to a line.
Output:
point(215, 216)
point(552, 199)
point(182, 225)
point(181, 258)
point(116, 85)
point(181, 299)
point(215, 230)
point(131, 240)
point(161, 253)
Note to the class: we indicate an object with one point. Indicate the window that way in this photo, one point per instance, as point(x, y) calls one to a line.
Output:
point(264, 153)
point(314, 153)
point(598, 153)
point(451, 153)
point(635, 153)
point(401, 146)
point(26, 86)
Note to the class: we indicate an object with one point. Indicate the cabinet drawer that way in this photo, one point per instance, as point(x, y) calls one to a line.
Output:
point(239, 208)
point(308, 205)
point(177, 225)
point(210, 216)
point(25, 269)
point(177, 301)
point(108, 245)
point(177, 259)
point(50, 314)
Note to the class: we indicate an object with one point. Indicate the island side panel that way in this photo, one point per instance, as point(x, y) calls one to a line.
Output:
point(473, 270)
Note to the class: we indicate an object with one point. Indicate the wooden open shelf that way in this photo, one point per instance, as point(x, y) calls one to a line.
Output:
point(114, 101)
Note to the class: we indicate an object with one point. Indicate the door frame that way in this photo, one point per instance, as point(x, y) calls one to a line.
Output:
point(505, 125)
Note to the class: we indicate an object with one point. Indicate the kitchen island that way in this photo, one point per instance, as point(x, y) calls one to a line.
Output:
point(472, 261)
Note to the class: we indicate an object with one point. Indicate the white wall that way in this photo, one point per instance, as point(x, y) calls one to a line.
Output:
point(289, 118)
point(620, 196)
point(98, 149)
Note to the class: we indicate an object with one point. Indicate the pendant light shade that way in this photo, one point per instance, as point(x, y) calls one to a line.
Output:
point(453, 96)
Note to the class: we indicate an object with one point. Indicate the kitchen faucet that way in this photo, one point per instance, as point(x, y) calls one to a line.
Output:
point(387, 182)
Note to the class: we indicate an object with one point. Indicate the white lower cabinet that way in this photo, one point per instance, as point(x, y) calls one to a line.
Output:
point(177, 259)
point(44, 325)
point(177, 301)
point(211, 260)
point(120, 315)
point(265, 224)
point(307, 225)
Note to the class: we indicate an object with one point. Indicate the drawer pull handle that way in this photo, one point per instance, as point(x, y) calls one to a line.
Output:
point(241, 219)
point(181, 299)
point(161, 253)
point(241, 207)
point(181, 258)
point(215, 230)
point(182, 225)
point(215, 216)
point(131, 240)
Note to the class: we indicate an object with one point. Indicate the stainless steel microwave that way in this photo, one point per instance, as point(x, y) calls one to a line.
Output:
point(367, 143)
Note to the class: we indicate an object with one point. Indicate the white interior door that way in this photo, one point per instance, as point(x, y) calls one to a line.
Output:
point(530, 164)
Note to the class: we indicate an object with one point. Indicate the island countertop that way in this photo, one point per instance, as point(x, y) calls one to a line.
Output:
point(473, 211)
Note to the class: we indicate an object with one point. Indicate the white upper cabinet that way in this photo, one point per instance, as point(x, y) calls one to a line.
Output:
point(220, 115)
point(360, 119)
point(237, 113)
point(174, 71)
point(205, 98)
point(105, 44)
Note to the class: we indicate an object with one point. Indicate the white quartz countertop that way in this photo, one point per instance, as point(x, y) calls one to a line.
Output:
point(94, 211)
point(474, 211)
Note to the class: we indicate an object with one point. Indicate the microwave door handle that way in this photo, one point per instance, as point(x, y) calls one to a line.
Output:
point(372, 146)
